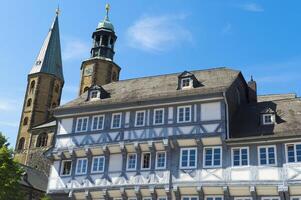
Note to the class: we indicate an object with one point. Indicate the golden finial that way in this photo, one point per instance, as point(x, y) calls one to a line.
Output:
point(108, 9)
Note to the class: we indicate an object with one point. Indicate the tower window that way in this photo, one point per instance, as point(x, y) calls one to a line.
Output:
point(104, 40)
point(28, 102)
point(25, 121)
point(57, 88)
point(42, 140)
point(21, 143)
point(32, 84)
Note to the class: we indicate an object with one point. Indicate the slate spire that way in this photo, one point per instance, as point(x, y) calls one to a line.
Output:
point(49, 59)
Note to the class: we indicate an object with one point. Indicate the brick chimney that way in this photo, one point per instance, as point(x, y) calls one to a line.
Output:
point(252, 90)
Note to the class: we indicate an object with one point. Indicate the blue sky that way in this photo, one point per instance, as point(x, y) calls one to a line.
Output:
point(260, 38)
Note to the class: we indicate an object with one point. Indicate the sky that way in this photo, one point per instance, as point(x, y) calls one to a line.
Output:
point(260, 38)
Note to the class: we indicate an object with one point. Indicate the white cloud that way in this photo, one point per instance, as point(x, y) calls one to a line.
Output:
point(158, 33)
point(252, 7)
point(74, 48)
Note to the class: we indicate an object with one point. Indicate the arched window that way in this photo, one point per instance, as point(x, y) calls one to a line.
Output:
point(25, 121)
point(86, 89)
point(29, 102)
point(57, 88)
point(32, 84)
point(114, 76)
point(21, 143)
point(42, 140)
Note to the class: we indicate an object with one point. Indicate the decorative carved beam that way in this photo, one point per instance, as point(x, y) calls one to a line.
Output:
point(253, 192)
point(226, 193)
point(200, 191)
point(123, 193)
point(176, 192)
point(138, 193)
point(153, 192)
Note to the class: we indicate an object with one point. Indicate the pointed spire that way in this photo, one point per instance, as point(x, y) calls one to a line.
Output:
point(49, 59)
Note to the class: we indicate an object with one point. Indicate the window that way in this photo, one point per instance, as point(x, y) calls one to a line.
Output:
point(185, 82)
point(293, 153)
point(240, 156)
point(146, 161)
point(104, 40)
point(42, 140)
point(131, 161)
point(66, 167)
point(98, 122)
point(295, 197)
point(161, 160)
point(140, 118)
point(188, 158)
point(190, 198)
point(213, 156)
point(243, 198)
point(158, 116)
point(268, 119)
point(25, 121)
point(82, 124)
point(28, 102)
point(214, 198)
point(21, 143)
point(116, 120)
point(32, 84)
point(270, 198)
point(184, 114)
point(81, 166)
point(147, 198)
point(98, 164)
point(94, 94)
point(162, 198)
point(267, 155)
point(57, 88)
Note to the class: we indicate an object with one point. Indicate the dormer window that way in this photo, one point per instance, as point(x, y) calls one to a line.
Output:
point(186, 83)
point(96, 92)
point(187, 80)
point(268, 119)
point(94, 95)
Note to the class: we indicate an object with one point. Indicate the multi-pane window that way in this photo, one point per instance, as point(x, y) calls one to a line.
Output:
point(116, 120)
point(185, 82)
point(270, 198)
point(267, 155)
point(98, 122)
point(66, 167)
point(94, 94)
point(240, 156)
point(162, 198)
point(295, 197)
point(268, 119)
point(82, 124)
point(190, 198)
point(158, 116)
point(98, 164)
point(184, 114)
point(214, 198)
point(161, 160)
point(81, 166)
point(146, 161)
point(293, 153)
point(147, 198)
point(140, 118)
point(131, 161)
point(243, 198)
point(188, 158)
point(213, 156)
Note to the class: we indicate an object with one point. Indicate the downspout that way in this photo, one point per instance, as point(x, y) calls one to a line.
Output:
point(227, 115)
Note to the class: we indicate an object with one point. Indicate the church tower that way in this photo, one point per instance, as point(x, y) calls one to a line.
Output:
point(100, 69)
point(44, 87)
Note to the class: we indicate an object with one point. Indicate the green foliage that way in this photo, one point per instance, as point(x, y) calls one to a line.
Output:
point(46, 198)
point(10, 173)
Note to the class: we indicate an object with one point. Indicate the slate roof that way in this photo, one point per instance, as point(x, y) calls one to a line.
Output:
point(158, 87)
point(49, 59)
point(246, 122)
point(34, 179)
point(272, 97)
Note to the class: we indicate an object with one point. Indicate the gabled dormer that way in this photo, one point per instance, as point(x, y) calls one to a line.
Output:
point(96, 92)
point(268, 117)
point(187, 80)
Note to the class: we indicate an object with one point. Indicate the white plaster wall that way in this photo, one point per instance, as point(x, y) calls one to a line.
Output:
point(65, 126)
point(115, 163)
point(211, 111)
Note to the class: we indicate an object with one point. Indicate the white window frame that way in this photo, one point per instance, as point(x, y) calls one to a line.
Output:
point(266, 149)
point(272, 119)
point(62, 168)
point(133, 198)
point(77, 161)
point(240, 156)
point(190, 83)
point(292, 197)
point(150, 160)
point(158, 152)
point(214, 197)
point(154, 116)
point(162, 198)
point(147, 198)
point(136, 118)
point(189, 197)
point(295, 152)
point(97, 95)
point(270, 198)
point(188, 160)
point(212, 161)
point(81, 130)
point(103, 122)
point(178, 114)
point(127, 162)
point(243, 198)
point(104, 162)
point(112, 120)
